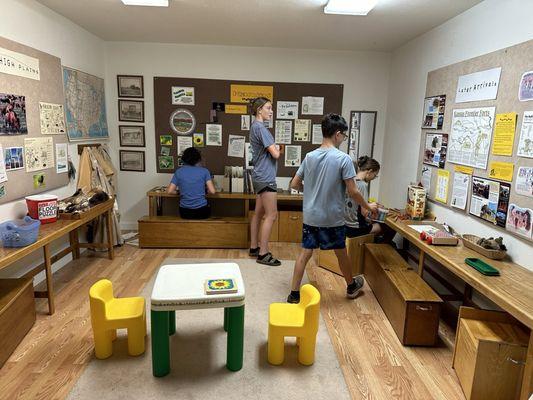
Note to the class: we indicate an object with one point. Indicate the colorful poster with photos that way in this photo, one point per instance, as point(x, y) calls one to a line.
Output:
point(14, 158)
point(490, 200)
point(519, 220)
point(435, 149)
point(434, 112)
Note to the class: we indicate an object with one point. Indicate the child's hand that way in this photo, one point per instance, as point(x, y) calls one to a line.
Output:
point(281, 148)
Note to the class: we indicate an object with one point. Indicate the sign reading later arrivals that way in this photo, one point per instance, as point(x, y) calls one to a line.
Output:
point(482, 85)
point(19, 64)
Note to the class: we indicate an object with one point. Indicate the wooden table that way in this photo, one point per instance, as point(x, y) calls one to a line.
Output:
point(52, 231)
point(512, 290)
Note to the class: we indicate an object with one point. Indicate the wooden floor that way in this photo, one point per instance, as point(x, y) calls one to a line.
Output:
point(53, 355)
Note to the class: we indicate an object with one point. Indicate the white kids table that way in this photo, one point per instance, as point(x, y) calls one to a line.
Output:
point(181, 287)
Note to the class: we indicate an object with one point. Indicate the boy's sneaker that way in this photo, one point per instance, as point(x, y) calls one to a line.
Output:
point(294, 297)
point(353, 289)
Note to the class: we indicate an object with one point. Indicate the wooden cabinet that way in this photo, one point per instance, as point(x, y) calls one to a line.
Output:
point(490, 349)
point(290, 226)
point(273, 233)
point(411, 306)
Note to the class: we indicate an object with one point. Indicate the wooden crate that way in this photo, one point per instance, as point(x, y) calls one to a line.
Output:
point(355, 247)
point(290, 226)
point(174, 232)
point(411, 306)
point(490, 349)
point(17, 313)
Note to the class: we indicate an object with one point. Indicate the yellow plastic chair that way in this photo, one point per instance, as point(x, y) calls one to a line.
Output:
point(299, 320)
point(109, 314)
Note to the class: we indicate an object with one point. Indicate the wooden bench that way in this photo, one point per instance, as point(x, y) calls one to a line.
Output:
point(411, 306)
point(175, 232)
point(354, 246)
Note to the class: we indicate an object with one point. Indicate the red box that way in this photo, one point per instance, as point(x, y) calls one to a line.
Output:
point(42, 207)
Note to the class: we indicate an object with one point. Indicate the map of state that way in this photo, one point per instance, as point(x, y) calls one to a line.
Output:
point(85, 105)
point(470, 136)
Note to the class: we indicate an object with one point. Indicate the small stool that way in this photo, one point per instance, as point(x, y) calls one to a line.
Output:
point(109, 314)
point(299, 320)
point(354, 246)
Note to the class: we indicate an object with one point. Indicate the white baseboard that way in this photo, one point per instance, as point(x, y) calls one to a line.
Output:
point(129, 225)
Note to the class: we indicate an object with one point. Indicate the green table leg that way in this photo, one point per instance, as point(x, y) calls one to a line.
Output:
point(226, 318)
point(160, 343)
point(235, 338)
point(171, 322)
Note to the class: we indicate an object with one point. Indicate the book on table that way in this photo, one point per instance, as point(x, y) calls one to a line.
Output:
point(220, 286)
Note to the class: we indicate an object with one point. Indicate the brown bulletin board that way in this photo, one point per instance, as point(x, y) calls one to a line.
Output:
point(514, 61)
point(209, 91)
point(48, 89)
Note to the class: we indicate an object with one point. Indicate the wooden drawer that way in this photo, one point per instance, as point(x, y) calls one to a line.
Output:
point(489, 351)
point(273, 233)
point(17, 313)
point(290, 226)
point(412, 307)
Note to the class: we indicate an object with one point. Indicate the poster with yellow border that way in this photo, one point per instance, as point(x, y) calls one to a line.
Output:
point(246, 93)
point(443, 180)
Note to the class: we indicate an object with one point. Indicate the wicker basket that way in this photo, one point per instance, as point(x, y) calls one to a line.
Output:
point(470, 241)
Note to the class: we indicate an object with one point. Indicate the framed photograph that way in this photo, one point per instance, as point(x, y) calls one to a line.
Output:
point(131, 110)
point(182, 122)
point(131, 135)
point(130, 86)
point(132, 160)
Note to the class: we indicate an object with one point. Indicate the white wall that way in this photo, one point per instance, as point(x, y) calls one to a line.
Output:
point(30, 23)
point(365, 76)
point(487, 27)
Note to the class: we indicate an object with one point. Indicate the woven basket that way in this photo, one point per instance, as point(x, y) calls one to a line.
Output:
point(470, 241)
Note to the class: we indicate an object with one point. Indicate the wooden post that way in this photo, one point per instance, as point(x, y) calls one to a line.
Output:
point(421, 258)
point(74, 243)
point(49, 285)
point(109, 226)
point(527, 380)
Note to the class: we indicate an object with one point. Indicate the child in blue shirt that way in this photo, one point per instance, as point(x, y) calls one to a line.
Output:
point(328, 173)
point(192, 180)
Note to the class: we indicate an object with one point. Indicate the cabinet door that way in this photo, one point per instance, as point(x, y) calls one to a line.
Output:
point(290, 226)
point(273, 233)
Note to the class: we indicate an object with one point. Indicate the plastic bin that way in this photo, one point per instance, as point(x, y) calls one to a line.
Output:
point(19, 232)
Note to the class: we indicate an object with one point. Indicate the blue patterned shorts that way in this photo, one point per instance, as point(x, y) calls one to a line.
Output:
point(326, 238)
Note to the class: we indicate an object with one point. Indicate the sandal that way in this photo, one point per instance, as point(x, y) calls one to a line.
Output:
point(268, 259)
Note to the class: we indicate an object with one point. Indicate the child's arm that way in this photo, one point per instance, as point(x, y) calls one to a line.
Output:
point(210, 187)
point(274, 151)
point(366, 208)
point(297, 183)
point(172, 188)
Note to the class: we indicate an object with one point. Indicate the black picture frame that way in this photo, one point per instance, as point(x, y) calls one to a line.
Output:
point(141, 154)
point(137, 91)
point(124, 118)
point(124, 142)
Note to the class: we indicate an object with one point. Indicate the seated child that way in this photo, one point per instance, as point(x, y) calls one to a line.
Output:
point(192, 180)
point(358, 224)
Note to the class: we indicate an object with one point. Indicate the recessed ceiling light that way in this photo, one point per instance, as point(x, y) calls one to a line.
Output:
point(150, 3)
point(349, 7)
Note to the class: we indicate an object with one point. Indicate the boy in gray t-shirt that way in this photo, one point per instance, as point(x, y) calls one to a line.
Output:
point(328, 173)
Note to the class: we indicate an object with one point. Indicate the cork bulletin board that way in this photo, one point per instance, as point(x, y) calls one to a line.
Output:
point(49, 89)
point(209, 91)
point(514, 62)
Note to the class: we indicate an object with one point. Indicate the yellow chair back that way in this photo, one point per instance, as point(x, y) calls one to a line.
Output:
point(310, 302)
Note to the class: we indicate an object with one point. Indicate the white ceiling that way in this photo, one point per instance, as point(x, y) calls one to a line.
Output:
point(263, 23)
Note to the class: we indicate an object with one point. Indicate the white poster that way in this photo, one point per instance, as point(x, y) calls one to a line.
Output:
point(182, 95)
point(353, 145)
point(525, 90)
point(482, 85)
point(236, 146)
point(312, 105)
point(245, 122)
point(525, 143)
point(519, 220)
point(470, 137)
point(52, 119)
point(283, 132)
point(287, 110)
point(293, 156)
point(425, 178)
point(61, 158)
point(317, 134)
point(301, 130)
point(19, 64)
point(213, 134)
point(461, 183)
point(248, 155)
point(524, 181)
point(3, 174)
point(39, 153)
point(184, 142)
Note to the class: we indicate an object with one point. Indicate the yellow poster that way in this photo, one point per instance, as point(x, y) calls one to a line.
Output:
point(463, 169)
point(443, 180)
point(501, 170)
point(246, 93)
point(504, 134)
point(236, 109)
